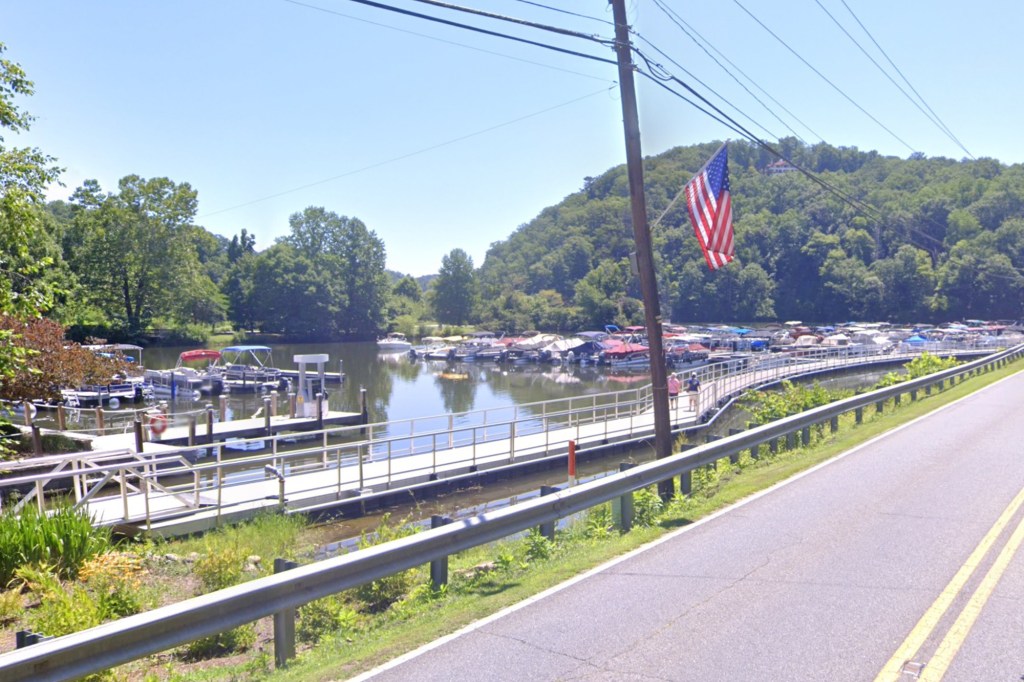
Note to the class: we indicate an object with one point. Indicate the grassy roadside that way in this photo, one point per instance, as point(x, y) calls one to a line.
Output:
point(343, 635)
point(473, 595)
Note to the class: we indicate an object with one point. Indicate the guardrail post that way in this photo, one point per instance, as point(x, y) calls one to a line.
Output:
point(833, 424)
point(928, 389)
point(734, 458)
point(24, 638)
point(773, 446)
point(622, 507)
point(548, 529)
point(913, 395)
point(878, 406)
point(686, 478)
point(284, 624)
point(439, 567)
point(896, 400)
point(790, 441)
point(805, 434)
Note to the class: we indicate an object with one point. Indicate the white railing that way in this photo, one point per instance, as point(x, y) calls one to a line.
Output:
point(131, 638)
point(411, 450)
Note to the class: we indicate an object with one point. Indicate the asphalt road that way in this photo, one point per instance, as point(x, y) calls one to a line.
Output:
point(821, 578)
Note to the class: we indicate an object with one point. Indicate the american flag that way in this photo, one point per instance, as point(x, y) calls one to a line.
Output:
point(707, 198)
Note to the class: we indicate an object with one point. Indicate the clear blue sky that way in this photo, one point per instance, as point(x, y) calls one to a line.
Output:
point(438, 138)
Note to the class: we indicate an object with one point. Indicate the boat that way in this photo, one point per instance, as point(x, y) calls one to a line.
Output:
point(127, 385)
point(394, 342)
point(249, 369)
point(186, 378)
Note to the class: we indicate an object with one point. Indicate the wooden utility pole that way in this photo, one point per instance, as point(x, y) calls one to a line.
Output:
point(642, 237)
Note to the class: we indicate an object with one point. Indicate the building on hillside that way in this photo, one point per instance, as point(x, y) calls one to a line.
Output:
point(777, 168)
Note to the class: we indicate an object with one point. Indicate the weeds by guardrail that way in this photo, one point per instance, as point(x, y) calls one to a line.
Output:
point(133, 637)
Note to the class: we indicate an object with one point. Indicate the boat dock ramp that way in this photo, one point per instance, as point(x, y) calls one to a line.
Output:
point(305, 466)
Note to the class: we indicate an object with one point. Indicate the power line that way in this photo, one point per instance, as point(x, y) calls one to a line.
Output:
point(709, 88)
point(514, 20)
point(442, 40)
point(404, 156)
point(824, 78)
point(892, 80)
point(565, 11)
point(905, 80)
point(683, 26)
point(475, 29)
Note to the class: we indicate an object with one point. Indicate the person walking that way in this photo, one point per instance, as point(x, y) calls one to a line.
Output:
point(693, 390)
point(674, 386)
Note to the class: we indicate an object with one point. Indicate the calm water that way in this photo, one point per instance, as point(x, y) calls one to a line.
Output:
point(400, 388)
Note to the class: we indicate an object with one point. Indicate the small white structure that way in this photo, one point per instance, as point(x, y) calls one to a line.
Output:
point(310, 385)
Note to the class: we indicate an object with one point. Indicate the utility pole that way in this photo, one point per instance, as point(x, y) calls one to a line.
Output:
point(642, 238)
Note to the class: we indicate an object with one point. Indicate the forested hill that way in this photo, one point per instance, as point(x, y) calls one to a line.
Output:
point(945, 242)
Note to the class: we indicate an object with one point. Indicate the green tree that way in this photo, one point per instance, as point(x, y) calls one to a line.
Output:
point(354, 257)
point(136, 258)
point(24, 174)
point(454, 290)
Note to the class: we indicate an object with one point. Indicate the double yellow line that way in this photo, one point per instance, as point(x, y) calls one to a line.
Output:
point(935, 668)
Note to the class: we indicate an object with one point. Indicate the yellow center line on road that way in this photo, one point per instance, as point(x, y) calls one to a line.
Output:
point(954, 639)
point(893, 669)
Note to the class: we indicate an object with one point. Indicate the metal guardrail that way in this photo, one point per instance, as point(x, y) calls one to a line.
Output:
point(131, 638)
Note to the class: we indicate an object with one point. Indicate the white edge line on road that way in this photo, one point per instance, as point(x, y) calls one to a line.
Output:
point(654, 543)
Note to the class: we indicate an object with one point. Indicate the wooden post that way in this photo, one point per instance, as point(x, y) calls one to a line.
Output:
point(191, 429)
point(138, 433)
point(37, 440)
point(266, 416)
point(642, 240)
point(273, 403)
point(223, 405)
point(99, 422)
point(291, 405)
point(62, 423)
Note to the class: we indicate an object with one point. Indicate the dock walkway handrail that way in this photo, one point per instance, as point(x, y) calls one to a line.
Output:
point(561, 419)
point(136, 636)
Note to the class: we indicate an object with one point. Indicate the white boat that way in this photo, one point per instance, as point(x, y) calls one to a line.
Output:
point(196, 373)
point(394, 342)
point(250, 369)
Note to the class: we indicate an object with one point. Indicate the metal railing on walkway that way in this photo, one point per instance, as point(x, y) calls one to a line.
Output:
point(131, 638)
point(123, 486)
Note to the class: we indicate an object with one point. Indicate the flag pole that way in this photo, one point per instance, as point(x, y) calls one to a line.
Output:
point(642, 238)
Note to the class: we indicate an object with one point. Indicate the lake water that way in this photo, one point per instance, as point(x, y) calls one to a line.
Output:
point(398, 387)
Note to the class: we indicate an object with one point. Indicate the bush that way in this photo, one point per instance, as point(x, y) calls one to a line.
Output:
point(647, 507)
point(380, 594)
point(62, 609)
point(241, 638)
point(63, 539)
point(325, 616)
point(221, 566)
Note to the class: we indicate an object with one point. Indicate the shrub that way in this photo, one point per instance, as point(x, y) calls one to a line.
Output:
point(240, 639)
point(115, 579)
point(62, 539)
point(324, 616)
point(11, 605)
point(380, 594)
point(538, 547)
point(221, 566)
point(62, 609)
point(598, 521)
point(647, 507)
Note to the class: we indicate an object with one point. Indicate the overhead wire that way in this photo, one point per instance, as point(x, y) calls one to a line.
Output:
point(513, 20)
point(406, 156)
point(476, 29)
point(929, 116)
point(682, 26)
point(710, 89)
point(442, 40)
point(825, 78)
point(905, 79)
point(565, 11)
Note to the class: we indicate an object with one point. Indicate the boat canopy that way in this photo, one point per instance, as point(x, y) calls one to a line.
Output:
point(201, 354)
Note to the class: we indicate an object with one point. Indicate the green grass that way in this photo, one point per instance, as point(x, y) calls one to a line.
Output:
point(575, 552)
